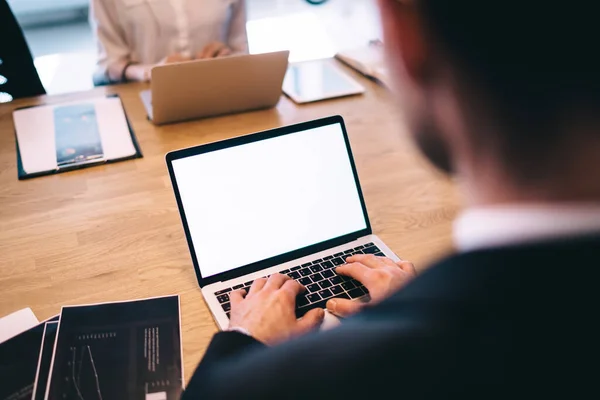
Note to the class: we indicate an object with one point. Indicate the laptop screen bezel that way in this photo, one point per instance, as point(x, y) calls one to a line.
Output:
point(255, 137)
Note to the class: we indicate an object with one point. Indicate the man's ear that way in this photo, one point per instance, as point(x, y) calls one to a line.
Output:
point(404, 38)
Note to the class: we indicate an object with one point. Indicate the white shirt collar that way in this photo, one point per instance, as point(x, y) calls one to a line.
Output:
point(517, 224)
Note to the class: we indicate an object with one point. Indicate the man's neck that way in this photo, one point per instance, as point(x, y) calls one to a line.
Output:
point(570, 180)
point(497, 193)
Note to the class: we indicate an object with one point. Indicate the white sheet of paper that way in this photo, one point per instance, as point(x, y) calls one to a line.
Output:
point(35, 133)
point(17, 322)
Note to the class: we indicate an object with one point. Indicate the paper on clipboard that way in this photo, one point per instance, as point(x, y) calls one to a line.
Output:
point(37, 129)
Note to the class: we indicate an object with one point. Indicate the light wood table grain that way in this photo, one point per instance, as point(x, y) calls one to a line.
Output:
point(113, 232)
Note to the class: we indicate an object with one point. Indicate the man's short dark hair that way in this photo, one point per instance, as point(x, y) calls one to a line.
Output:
point(536, 61)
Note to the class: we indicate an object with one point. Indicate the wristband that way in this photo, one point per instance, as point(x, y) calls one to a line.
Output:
point(124, 73)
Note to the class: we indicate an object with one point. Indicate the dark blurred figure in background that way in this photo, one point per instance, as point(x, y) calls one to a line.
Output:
point(135, 35)
point(18, 76)
point(505, 96)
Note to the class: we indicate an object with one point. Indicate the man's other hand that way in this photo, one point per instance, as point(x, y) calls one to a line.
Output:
point(267, 311)
point(380, 275)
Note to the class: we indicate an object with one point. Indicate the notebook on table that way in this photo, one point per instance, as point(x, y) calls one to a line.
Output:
point(369, 60)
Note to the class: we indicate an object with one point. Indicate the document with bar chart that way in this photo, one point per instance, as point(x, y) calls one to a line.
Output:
point(112, 351)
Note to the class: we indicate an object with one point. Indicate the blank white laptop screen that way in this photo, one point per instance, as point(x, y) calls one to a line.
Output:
point(255, 201)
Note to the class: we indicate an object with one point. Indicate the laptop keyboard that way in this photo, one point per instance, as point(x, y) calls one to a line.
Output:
point(320, 280)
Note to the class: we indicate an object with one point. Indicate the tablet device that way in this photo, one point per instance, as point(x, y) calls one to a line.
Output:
point(77, 135)
point(318, 80)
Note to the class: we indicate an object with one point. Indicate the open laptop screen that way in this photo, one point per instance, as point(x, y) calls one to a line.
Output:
point(258, 200)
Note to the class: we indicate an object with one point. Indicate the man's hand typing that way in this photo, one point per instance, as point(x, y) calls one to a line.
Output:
point(380, 275)
point(267, 311)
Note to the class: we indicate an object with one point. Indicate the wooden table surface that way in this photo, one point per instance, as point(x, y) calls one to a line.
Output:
point(113, 232)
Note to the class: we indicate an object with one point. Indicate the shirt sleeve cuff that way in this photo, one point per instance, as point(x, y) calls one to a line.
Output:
point(239, 330)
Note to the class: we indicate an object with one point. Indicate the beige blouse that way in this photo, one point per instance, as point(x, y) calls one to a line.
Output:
point(147, 31)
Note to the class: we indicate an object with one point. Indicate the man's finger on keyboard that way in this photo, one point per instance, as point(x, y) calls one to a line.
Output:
point(343, 307)
point(354, 270)
point(236, 296)
point(257, 285)
point(408, 267)
point(310, 320)
point(371, 261)
point(276, 281)
point(293, 288)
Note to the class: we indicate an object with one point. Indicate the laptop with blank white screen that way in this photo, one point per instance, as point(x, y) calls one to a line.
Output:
point(286, 200)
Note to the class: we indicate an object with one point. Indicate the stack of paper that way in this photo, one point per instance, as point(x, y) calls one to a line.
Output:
point(120, 350)
point(17, 322)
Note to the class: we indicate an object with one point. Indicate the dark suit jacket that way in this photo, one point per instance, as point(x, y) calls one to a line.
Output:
point(503, 323)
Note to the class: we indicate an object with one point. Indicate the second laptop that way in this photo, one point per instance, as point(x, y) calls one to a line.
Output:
point(205, 88)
